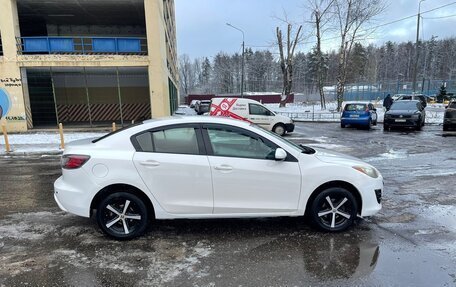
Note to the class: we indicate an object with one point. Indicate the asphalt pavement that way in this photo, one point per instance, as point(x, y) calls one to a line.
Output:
point(411, 242)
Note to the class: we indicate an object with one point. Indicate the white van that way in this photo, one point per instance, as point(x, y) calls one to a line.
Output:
point(251, 111)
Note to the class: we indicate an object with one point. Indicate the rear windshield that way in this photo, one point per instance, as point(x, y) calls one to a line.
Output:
point(355, 107)
point(119, 130)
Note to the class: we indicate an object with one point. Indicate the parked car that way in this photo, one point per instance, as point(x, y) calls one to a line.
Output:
point(185, 111)
point(193, 103)
point(449, 119)
point(252, 111)
point(405, 113)
point(202, 107)
point(414, 97)
point(358, 114)
point(146, 171)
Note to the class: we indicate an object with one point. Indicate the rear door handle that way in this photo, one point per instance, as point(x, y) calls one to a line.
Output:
point(223, 167)
point(150, 163)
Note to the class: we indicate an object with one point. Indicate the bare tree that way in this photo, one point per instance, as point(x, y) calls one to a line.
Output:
point(320, 9)
point(286, 61)
point(351, 16)
point(187, 74)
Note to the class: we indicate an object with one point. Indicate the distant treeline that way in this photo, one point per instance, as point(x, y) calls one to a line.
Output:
point(367, 64)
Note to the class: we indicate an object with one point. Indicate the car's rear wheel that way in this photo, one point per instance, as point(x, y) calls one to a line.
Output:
point(279, 129)
point(334, 209)
point(122, 215)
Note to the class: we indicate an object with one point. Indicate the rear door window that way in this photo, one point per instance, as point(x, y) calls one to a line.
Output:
point(179, 140)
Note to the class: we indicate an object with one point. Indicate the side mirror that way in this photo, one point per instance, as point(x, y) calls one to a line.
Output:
point(280, 154)
point(374, 109)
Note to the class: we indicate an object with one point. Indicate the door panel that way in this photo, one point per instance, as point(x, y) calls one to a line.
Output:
point(174, 166)
point(246, 177)
point(243, 185)
point(259, 115)
point(180, 182)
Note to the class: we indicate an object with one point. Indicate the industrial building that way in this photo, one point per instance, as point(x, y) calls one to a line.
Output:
point(86, 63)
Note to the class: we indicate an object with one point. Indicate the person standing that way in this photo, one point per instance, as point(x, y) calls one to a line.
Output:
point(387, 102)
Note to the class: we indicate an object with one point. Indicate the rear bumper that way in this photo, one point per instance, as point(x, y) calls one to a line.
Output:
point(354, 121)
point(71, 199)
point(289, 127)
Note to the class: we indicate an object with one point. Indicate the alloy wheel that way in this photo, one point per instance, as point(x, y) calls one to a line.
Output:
point(122, 215)
point(334, 209)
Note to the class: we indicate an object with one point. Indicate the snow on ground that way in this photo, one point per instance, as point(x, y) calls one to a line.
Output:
point(313, 112)
point(42, 142)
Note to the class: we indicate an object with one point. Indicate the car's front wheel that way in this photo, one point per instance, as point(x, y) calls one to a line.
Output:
point(122, 215)
point(334, 209)
point(279, 129)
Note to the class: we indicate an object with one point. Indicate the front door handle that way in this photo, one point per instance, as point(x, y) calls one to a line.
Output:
point(150, 163)
point(223, 167)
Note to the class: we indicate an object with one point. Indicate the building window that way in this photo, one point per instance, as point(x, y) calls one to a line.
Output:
point(173, 101)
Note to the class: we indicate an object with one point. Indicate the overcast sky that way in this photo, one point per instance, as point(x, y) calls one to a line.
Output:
point(202, 29)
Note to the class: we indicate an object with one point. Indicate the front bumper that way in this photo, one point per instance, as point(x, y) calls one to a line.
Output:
point(409, 122)
point(289, 127)
point(371, 195)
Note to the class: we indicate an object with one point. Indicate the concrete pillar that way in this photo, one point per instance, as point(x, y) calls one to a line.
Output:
point(158, 69)
point(10, 74)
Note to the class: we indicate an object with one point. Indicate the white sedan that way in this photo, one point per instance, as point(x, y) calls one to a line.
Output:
point(210, 167)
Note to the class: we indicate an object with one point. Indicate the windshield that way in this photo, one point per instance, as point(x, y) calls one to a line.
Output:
point(403, 106)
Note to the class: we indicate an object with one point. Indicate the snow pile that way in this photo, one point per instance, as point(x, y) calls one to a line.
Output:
point(42, 142)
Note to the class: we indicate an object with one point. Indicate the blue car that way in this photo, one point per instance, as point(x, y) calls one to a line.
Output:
point(359, 114)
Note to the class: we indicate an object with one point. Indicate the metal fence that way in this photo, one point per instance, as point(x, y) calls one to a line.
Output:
point(378, 91)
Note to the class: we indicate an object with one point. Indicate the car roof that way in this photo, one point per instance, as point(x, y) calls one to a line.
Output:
point(194, 119)
point(357, 103)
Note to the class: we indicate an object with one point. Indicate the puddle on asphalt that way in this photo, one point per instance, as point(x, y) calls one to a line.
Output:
point(45, 248)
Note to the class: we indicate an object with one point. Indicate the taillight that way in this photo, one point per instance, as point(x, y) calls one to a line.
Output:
point(73, 161)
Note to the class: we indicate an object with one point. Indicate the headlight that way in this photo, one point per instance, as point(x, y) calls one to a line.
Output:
point(367, 171)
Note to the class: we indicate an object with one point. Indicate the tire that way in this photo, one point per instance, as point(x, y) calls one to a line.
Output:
point(375, 123)
point(369, 124)
point(124, 224)
point(279, 129)
point(386, 127)
point(342, 125)
point(446, 128)
point(419, 125)
point(334, 209)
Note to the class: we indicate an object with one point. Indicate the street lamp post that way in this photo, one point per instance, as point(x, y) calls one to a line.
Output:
point(242, 65)
point(417, 47)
